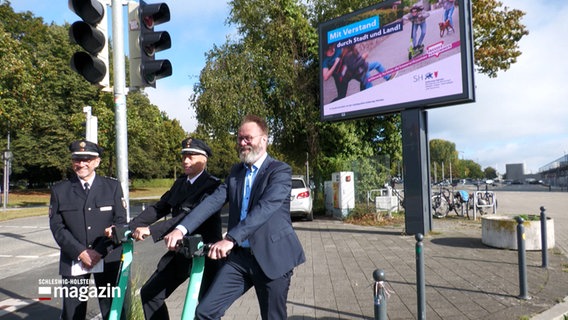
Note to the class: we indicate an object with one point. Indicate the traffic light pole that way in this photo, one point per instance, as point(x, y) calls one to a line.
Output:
point(120, 100)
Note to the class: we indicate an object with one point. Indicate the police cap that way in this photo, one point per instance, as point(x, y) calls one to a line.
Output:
point(83, 149)
point(195, 146)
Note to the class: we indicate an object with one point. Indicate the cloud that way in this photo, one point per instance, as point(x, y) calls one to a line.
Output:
point(175, 102)
point(520, 116)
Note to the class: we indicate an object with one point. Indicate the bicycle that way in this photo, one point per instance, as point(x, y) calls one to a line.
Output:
point(445, 200)
point(399, 194)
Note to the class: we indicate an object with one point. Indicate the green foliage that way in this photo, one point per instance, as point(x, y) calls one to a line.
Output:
point(443, 155)
point(151, 183)
point(490, 173)
point(271, 69)
point(472, 169)
point(443, 158)
point(528, 217)
point(370, 173)
point(497, 32)
point(366, 215)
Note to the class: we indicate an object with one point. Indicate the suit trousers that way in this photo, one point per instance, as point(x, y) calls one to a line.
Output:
point(173, 269)
point(241, 272)
point(74, 307)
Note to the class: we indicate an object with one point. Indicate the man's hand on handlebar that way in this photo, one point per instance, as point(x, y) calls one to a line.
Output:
point(141, 233)
point(220, 249)
point(171, 239)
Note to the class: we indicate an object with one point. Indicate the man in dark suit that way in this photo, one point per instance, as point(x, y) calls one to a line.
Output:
point(81, 209)
point(186, 193)
point(263, 246)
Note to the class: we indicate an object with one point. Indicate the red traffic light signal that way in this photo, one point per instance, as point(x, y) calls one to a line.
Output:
point(145, 69)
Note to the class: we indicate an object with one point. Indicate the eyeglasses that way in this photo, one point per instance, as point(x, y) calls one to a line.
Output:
point(86, 160)
point(247, 139)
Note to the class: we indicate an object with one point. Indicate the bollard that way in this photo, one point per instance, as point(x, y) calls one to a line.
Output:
point(421, 285)
point(522, 259)
point(380, 295)
point(544, 237)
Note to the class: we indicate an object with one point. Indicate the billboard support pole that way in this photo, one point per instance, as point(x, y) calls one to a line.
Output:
point(416, 171)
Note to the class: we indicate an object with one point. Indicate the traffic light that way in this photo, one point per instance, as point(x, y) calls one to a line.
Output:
point(91, 35)
point(144, 42)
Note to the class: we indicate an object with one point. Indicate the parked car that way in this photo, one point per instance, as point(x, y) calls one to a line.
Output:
point(301, 199)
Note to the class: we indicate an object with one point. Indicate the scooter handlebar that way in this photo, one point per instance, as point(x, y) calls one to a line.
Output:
point(193, 246)
point(121, 234)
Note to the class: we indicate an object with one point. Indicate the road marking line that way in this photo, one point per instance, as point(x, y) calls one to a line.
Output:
point(24, 227)
point(28, 257)
point(11, 305)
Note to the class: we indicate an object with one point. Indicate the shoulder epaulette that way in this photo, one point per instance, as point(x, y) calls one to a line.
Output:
point(59, 182)
point(110, 178)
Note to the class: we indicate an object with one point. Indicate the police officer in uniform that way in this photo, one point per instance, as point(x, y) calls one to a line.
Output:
point(80, 210)
point(186, 192)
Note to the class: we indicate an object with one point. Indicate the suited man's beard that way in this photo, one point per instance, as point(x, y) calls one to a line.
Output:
point(249, 154)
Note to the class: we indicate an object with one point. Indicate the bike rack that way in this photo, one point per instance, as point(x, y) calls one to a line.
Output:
point(387, 200)
point(492, 204)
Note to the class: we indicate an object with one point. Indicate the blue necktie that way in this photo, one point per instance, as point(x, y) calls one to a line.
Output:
point(249, 178)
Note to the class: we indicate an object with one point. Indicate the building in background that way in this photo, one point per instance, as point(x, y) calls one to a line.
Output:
point(515, 172)
point(555, 173)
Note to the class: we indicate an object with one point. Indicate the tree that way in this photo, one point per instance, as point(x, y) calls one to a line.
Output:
point(443, 156)
point(472, 169)
point(490, 173)
point(271, 69)
point(497, 31)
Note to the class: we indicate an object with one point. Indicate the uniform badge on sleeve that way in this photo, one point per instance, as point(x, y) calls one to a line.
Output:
point(123, 203)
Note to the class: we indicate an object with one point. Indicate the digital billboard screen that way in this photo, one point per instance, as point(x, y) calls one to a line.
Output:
point(387, 58)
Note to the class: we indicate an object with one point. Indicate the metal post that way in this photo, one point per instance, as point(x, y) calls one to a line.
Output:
point(7, 155)
point(420, 284)
point(544, 237)
point(380, 295)
point(415, 156)
point(308, 169)
point(120, 100)
point(522, 259)
point(119, 86)
point(474, 205)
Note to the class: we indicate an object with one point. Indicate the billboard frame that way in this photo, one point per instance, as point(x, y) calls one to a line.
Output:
point(352, 26)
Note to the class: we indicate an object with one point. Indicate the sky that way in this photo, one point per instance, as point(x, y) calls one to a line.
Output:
point(519, 117)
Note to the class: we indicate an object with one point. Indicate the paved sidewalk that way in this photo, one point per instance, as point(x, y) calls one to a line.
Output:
point(464, 278)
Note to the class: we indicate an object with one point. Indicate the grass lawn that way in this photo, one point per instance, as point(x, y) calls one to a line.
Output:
point(26, 203)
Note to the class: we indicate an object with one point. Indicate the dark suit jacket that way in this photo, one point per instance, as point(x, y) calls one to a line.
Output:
point(78, 222)
point(179, 201)
point(273, 241)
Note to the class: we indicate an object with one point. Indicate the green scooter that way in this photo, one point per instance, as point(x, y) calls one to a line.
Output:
point(122, 235)
point(192, 247)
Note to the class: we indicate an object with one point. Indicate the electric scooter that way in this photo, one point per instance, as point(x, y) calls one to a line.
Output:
point(122, 235)
point(192, 247)
point(414, 51)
